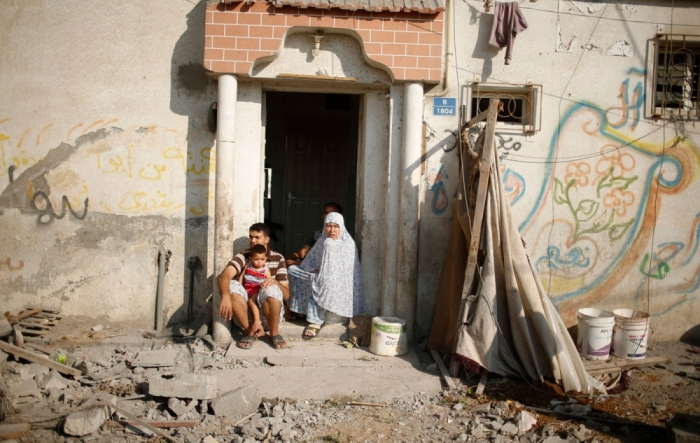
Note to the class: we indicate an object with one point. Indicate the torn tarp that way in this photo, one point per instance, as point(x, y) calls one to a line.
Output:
point(512, 328)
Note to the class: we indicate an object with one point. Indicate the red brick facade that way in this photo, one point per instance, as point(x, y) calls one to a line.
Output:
point(409, 44)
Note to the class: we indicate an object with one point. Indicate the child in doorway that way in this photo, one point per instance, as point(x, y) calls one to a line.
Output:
point(252, 277)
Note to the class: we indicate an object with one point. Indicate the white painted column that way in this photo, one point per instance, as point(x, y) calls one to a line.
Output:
point(223, 209)
point(407, 256)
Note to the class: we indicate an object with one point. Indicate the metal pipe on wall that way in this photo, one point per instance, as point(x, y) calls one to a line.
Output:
point(407, 257)
point(159, 290)
point(223, 202)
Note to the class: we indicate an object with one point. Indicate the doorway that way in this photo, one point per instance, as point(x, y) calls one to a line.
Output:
point(310, 160)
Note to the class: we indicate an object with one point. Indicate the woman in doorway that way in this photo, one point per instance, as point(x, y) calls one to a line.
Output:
point(329, 278)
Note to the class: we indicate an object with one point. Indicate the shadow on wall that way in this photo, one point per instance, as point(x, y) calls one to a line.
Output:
point(191, 95)
point(482, 48)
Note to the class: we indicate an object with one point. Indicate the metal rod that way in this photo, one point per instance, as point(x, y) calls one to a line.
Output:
point(159, 291)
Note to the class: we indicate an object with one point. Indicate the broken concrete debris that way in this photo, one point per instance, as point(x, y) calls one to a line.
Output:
point(156, 358)
point(52, 380)
point(237, 403)
point(161, 401)
point(199, 386)
point(89, 420)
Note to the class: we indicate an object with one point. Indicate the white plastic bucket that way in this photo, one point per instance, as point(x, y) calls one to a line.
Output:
point(594, 333)
point(631, 334)
point(388, 336)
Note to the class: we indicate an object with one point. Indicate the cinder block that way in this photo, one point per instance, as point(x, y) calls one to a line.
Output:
point(199, 386)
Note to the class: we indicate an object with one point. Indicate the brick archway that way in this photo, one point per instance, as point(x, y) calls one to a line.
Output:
point(410, 44)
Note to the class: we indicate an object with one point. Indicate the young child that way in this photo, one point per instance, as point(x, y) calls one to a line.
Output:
point(254, 274)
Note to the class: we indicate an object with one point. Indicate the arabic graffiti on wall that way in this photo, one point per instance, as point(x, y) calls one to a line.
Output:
point(138, 171)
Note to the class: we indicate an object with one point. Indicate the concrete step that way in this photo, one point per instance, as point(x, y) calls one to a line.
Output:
point(293, 330)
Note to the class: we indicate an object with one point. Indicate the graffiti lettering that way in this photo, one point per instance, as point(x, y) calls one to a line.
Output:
point(508, 145)
point(139, 203)
point(47, 215)
point(146, 172)
point(659, 272)
point(116, 164)
point(7, 263)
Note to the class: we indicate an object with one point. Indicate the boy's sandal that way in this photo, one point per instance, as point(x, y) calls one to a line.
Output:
point(246, 342)
point(310, 332)
point(278, 342)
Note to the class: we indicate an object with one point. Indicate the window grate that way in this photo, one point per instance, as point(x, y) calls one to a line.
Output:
point(676, 79)
point(520, 104)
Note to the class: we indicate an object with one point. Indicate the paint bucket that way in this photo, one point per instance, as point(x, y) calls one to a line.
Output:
point(594, 333)
point(631, 333)
point(388, 336)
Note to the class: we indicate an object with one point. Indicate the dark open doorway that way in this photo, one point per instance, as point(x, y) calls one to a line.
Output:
point(310, 160)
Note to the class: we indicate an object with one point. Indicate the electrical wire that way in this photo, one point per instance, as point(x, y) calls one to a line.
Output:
point(584, 15)
point(465, 197)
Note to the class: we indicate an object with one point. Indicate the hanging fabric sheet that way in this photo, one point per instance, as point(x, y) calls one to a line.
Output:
point(508, 22)
point(512, 328)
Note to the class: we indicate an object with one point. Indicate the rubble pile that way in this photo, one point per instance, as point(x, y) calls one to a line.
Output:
point(112, 384)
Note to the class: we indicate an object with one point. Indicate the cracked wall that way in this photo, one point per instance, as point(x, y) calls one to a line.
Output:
point(106, 157)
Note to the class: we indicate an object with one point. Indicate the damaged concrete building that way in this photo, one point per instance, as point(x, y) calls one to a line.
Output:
point(130, 129)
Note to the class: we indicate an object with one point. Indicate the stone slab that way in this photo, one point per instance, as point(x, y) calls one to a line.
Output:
point(156, 358)
point(299, 383)
point(199, 386)
point(237, 403)
point(321, 353)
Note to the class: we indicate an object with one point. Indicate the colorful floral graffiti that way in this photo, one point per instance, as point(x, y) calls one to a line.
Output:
point(605, 184)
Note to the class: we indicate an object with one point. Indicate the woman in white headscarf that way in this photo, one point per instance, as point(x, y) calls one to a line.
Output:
point(329, 278)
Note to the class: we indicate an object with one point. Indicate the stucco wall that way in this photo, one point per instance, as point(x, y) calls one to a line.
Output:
point(593, 119)
point(105, 104)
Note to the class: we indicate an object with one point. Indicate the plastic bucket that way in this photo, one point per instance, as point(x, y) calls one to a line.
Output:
point(388, 336)
point(594, 333)
point(631, 333)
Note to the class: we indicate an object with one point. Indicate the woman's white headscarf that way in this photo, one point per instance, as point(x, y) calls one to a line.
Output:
point(338, 285)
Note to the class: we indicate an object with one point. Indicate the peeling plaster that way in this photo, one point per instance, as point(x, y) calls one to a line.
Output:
point(622, 49)
point(592, 47)
point(561, 47)
point(590, 6)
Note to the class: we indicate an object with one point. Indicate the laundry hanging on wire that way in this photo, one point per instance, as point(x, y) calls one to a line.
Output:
point(508, 22)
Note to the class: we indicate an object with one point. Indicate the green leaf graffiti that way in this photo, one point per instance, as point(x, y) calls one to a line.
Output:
point(589, 216)
point(608, 181)
point(618, 230)
point(586, 209)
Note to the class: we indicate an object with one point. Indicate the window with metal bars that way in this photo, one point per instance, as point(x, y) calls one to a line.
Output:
point(676, 77)
point(520, 104)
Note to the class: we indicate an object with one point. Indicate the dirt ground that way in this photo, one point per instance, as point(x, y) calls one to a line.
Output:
point(650, 397)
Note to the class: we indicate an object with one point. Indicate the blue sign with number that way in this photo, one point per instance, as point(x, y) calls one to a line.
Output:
point(444, 106)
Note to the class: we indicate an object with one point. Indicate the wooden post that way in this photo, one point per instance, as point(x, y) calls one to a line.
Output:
point(484, 171)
